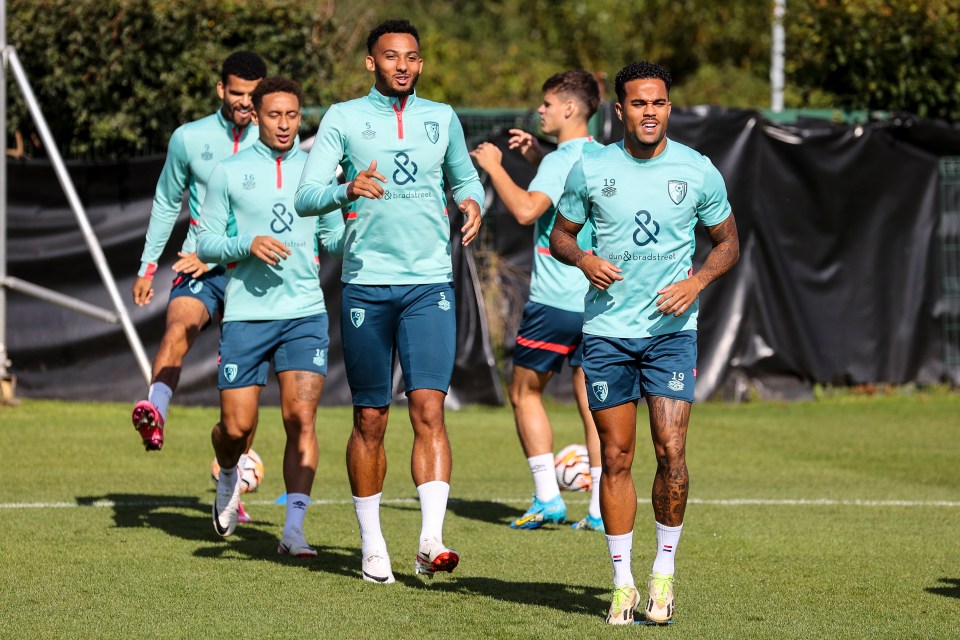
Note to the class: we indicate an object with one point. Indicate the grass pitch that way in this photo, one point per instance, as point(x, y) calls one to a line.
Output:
point(830, 519)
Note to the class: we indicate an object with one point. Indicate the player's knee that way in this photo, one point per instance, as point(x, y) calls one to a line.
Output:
point(616, 460)
point(370, 424)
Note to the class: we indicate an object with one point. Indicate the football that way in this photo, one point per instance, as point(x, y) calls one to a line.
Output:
point(573, 468)
point(250, 476)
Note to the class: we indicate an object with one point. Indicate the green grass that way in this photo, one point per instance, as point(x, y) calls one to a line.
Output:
point(151, 566)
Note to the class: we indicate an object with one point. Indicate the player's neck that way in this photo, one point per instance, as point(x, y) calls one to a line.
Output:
point(574, 131)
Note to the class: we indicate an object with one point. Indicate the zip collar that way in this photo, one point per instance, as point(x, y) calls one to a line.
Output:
point(235, 132)
point(386, 103)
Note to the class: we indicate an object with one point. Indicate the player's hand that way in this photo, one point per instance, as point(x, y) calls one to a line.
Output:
point(269, 249)
point(471, 228)
point(367, 184)
point(527, 144)
point(142, 291)
point(599, 272)
point(675, 299)
point(488, 156)
point(190, 263)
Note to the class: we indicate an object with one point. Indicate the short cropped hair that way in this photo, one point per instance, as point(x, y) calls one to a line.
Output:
point(245, 65)
point(578, 84)
point(640, 71)
point(275, 85)
point(391, 26)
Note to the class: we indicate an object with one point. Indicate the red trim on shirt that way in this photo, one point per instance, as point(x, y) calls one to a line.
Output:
point(194, 222)
point(236, 139)
point(151, 269)
point(399, 112)
point(350, 215)
point(279, 173)
point(231, 265)
point(546, 346)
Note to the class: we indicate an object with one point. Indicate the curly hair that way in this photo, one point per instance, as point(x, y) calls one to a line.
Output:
point(274, 85)
point(391, 26)
point(245, 65)
point(639, 71)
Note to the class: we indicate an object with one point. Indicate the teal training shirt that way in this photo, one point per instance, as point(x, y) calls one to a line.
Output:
point(404, 237)
point(553, 283)
point(251, 194)
point(194, 150)
point(644, 214)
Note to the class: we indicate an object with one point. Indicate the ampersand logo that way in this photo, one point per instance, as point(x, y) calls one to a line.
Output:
point(645, 235)
point(283, 219)
point(406, 169)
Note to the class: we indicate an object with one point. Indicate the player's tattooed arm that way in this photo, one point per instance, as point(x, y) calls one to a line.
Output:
point(564, 247)
point(676, 298)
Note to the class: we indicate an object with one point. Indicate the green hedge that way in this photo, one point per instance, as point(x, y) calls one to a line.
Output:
point(116, 77)
point(889, 55)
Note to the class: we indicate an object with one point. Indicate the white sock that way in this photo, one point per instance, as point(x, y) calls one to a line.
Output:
point(159, 396)
point(368, 516)
point(595, 492)
point(297, 504)
point(433, 507)
point(621, 554)
point(667, 540)
point(544, 477)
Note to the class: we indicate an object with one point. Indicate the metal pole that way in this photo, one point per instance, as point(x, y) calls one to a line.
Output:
point(777, 53)
point(89, 236)
point(4, 361)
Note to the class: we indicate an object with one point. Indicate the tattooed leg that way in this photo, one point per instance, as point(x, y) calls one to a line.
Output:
point(668, 428)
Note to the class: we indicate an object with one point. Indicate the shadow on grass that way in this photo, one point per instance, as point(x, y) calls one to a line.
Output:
point(484, 510)
point(164, 512)
point(568, 598)
point(948, 587)
point(258, 541)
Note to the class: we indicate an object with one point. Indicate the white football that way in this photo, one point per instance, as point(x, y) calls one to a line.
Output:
point(573, 468)
point(250, 476)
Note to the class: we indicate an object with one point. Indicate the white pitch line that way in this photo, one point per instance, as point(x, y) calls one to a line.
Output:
point(734, 502)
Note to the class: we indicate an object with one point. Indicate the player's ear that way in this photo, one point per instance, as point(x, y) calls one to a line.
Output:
point(619, 109)
point(256, 118)
point(370, 64)
point(221, 90)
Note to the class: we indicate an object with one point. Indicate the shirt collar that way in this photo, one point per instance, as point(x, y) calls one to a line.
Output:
point(385, 102)
point(267, 152)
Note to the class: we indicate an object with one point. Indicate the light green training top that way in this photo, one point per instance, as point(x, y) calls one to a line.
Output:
point(553, 283)
point(644, 213)
point(194, 150)
point(404, 237)
point(251, 194)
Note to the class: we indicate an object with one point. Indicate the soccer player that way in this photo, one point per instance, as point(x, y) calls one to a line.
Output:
point(644, 196)
point(551, 329)
point(196, 298)
point(397, 150)
point(275, 309)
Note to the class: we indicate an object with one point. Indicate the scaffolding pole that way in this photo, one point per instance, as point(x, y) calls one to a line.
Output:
point(119, 314)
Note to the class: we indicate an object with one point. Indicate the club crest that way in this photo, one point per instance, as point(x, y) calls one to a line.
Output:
point(600, 390)
point(433, 131)
point(230, 372)
point(677, 190)
point(356, 317)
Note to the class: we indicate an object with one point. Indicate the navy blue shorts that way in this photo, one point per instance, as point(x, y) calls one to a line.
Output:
point(418, 323)
point(209, 289)
point(248, 346)
point(620, 370)
point(547, 336)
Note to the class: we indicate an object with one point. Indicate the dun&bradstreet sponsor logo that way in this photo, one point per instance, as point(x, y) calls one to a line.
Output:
point(406, 195)
point(627, 256)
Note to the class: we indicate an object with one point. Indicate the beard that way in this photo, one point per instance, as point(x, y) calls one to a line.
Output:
point(386, 81)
